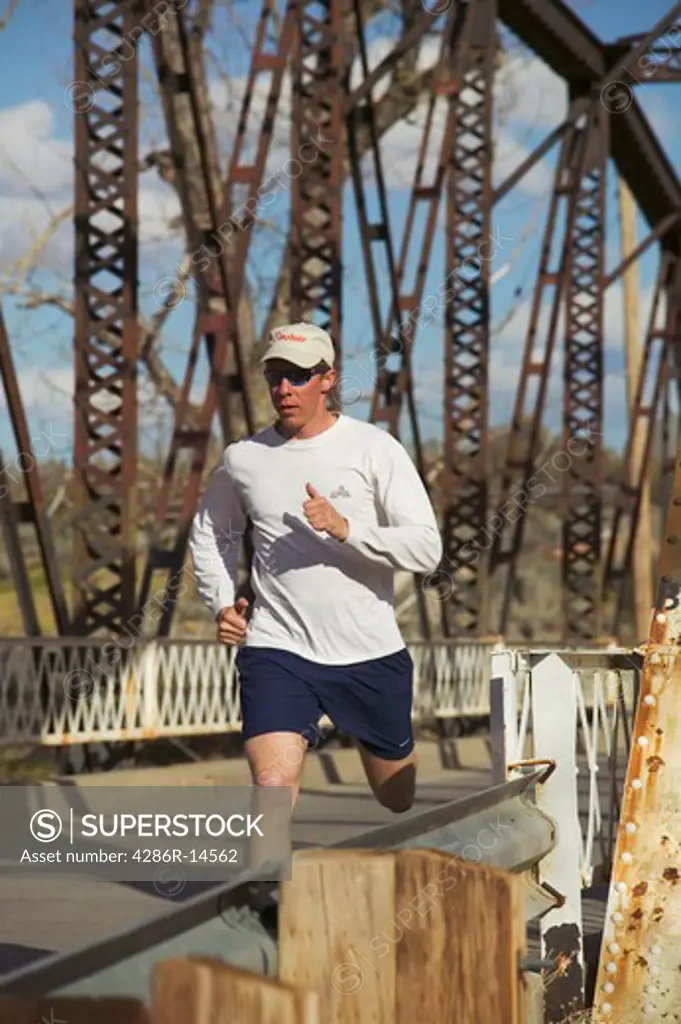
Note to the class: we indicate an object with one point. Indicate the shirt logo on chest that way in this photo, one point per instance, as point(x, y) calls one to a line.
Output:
point(340, 492)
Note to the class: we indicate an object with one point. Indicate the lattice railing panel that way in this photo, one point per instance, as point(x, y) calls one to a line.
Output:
point(62, 693)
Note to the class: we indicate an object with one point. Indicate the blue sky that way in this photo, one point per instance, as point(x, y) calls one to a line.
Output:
point(35, 182)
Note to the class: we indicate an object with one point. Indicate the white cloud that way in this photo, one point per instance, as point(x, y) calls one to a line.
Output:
point(529, 93)
point(29, 152)
point(47, 396)
point(25, 220)
point(47, 391)
point(34, 160)
point(528, 96)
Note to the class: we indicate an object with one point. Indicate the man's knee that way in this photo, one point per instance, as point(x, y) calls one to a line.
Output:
point(270, 777)
point(276, 761)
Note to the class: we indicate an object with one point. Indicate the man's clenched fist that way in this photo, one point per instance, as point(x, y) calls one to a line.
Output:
point(322, 516)
point(232, 624)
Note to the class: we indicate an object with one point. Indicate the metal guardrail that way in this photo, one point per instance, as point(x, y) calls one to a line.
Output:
point(236, 921)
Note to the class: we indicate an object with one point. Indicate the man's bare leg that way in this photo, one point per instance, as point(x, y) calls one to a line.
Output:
point(275, 759)
point(392, 782)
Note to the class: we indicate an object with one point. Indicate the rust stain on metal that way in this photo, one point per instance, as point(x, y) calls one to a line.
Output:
point(645, 861)
point(635, 919)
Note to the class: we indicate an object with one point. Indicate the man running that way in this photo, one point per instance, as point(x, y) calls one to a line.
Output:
point(336, 507)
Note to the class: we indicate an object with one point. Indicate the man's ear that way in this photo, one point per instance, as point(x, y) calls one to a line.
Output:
point(328, 380)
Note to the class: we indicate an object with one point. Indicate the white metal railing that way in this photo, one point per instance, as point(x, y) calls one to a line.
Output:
point(66, 691)
point(574, 708)
point(590, 695)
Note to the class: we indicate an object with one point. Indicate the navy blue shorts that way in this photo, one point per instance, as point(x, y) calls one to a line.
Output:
point(369, 700)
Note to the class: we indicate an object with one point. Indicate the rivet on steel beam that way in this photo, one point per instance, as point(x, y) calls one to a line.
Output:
point(621, 887)
point(654, 970)
point(613, 948)
point(660, 617)
point(611, 968)
point(627, 858)
point(655, 950)
point(636, 783)
point(608, 987)
point(617, 917)
point(606, 1008)
point(649, 700)
point(642, 741)
point(630, 826)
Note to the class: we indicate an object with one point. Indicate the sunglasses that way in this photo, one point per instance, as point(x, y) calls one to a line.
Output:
point(296, 376)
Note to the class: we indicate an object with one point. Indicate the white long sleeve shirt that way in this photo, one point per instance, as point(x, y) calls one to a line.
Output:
point(326, 600)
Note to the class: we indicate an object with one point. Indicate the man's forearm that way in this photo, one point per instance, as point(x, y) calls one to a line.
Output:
point(411, 548)
point(215, 580)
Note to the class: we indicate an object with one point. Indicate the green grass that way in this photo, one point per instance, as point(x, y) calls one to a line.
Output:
point(11, 618)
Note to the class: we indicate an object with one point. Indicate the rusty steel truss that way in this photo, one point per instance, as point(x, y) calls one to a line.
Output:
point(106, 342)
point(335, 132)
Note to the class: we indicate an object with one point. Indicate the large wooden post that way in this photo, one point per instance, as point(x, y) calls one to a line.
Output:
point(399, 936)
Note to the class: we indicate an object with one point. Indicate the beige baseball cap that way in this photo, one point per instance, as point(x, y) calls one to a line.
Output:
point(302, 344)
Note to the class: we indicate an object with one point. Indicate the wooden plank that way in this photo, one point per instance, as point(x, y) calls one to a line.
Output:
point(330, 918)
point(200, 990)
point(76, 1010)
point(394, 936)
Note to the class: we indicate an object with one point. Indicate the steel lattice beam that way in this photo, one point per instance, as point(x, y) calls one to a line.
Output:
point(106, 270)
point(563, 41)
point(406, 311)
point(316, 193)
point(583, 395)
point(468, 232)
point(651, 386)
point(376, 236)
point(220, 277)
point(522, 483)
point(105, 445)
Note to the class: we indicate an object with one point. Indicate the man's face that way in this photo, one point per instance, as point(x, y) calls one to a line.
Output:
point(297, 395)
